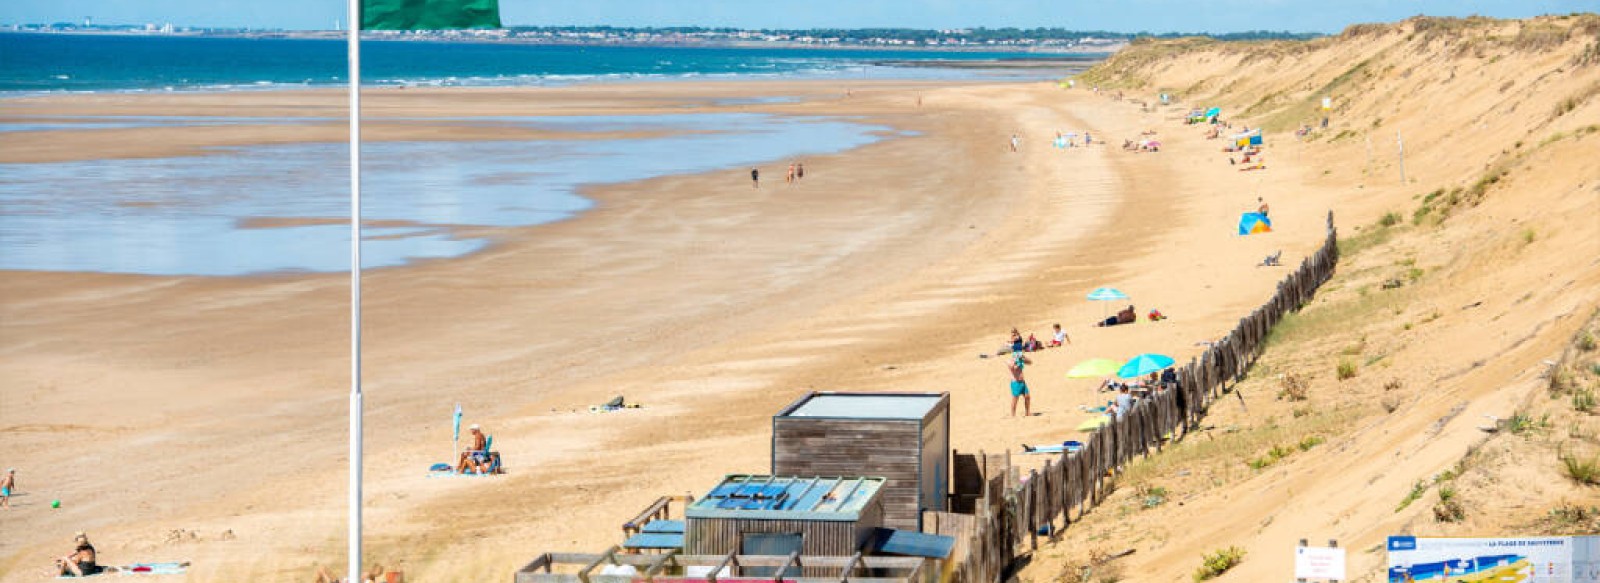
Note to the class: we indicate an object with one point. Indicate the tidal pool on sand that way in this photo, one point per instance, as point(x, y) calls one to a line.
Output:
point(201, 215)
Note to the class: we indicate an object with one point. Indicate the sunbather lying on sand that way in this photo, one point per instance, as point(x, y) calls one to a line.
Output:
point(1127, 316)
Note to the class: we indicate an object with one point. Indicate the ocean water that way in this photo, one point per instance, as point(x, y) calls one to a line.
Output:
point(32, 63)
point(193, 215)
point(197, 215)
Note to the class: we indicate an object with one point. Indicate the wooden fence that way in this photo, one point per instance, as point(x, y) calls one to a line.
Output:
point(1010, 513)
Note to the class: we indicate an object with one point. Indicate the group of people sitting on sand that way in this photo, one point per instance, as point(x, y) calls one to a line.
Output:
point(1128, 394)
point(1032, 343)
point(1166, 379)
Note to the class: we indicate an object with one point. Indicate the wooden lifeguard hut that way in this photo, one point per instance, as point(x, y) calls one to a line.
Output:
point(902, 437)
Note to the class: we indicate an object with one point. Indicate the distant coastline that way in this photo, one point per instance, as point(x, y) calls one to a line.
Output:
point(1099, 49)
point(77, 61)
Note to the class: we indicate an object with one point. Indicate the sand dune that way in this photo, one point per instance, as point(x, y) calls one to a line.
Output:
point(1495, 249)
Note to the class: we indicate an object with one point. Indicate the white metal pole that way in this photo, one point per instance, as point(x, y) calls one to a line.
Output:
point(354, 29)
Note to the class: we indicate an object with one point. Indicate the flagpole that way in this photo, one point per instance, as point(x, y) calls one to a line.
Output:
point(353, 17)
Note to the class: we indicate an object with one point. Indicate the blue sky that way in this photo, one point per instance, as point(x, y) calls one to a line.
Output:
point(1116, 15)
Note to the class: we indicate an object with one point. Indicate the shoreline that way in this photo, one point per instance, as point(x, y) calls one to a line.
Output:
point(491, 126)
point(887, 269)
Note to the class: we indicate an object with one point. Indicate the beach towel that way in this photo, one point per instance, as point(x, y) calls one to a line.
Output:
point(1094, 423)
point(452, 473)
point(1065, 446)
point(138, 569)
point(156, 568)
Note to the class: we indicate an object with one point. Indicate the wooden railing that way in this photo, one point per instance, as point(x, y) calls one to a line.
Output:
point(661, 509)
point(667, 568)
point(1007, 515)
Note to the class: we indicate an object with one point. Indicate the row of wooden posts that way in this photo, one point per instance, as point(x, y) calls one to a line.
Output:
point(1012, 512)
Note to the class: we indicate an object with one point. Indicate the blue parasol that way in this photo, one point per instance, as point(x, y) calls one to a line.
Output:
point(1144, 364)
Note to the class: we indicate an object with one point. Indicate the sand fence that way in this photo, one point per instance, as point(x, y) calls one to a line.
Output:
point(1010, 511)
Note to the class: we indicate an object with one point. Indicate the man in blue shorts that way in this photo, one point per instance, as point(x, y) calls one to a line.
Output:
point(1019, 386)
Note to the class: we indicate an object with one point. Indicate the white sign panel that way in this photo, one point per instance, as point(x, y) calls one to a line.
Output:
point(1556, 559)
point(1318, 563)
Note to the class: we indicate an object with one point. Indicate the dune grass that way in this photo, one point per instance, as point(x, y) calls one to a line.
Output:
point(1218, 562)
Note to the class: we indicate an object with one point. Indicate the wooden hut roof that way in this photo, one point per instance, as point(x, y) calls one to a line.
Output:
point(745, 496)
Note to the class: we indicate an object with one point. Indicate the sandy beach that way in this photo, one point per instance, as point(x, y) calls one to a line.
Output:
point(166, 411)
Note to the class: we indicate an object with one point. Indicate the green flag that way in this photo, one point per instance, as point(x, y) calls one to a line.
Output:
point(429, 14)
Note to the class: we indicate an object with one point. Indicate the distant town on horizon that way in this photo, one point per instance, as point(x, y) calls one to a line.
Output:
point(978, 38)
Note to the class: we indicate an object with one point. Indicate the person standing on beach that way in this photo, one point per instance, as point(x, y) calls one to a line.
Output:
point(7, 482)
point(789, 178)
point(1015, 141)
point(799, 171)
point(1263, 208)
point(1019, 386)
point(755, 178)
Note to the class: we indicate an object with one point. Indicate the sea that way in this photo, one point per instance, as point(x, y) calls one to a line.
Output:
point(56, 62)
point(202, 215)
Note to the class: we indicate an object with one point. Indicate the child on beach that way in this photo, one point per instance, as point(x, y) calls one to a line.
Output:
point(1060, 336)
point(755, 178)
point(7, 482)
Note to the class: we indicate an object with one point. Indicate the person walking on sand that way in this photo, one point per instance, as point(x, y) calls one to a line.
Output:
point(799, 171)
point(1019, 386)
point(1015, 141)
point(1263, 208)
point(755, 178)
point(7, 483)
point(789, 178)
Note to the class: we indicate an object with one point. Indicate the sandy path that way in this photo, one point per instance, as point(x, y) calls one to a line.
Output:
point(891, 267)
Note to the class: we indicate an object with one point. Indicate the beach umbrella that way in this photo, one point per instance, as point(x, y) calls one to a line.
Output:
point(1094, 367)
point(1106, 294)
point(1094, 423)
point(1253, 223)
point(455, 435)
point(1144, 364)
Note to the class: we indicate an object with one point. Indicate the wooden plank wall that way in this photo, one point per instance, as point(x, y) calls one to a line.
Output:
point(853, 447)
point(1009, 515)
point(719, 536)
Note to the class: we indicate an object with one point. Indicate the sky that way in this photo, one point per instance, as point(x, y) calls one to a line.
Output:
point(1216, 16)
